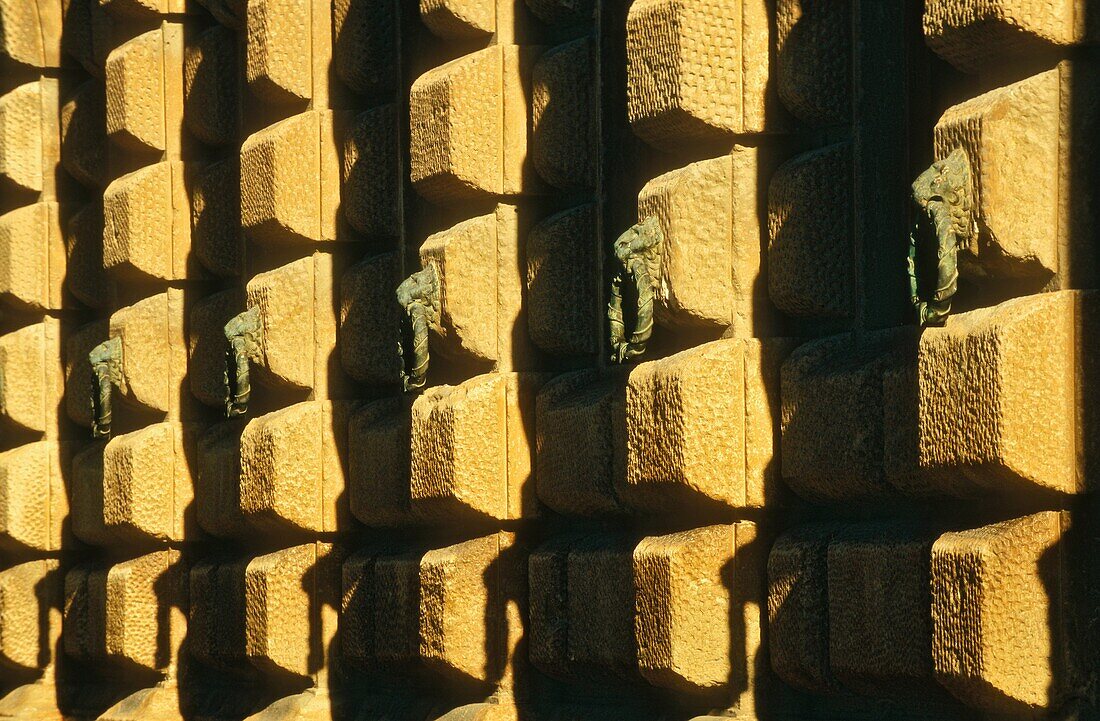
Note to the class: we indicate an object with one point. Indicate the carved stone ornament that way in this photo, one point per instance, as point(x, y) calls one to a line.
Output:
point(638, 250)
point(418, 296)
point(944, 194)
point(106, 360)
point(243, 334)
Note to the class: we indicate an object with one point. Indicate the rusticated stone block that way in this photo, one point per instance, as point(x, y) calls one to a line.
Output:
point(298, 320)
point(708, 407)
point(798, 607)
point(460, 19)
point(217, 613)
point(810, 249)
point(34, 502)
point(207, 347)
point(683, 582)
point(579, 420)
point(31, 382)
point(472, 599)
point(132, 614)
point(1014, 137)
point(230, 13)
point(379, 462)
point(880, 631)
point(370, 320)
point(698, 69)
point(280, 56)
point(582, 607)
point(365, 46)
point(473, 450)
point(32, 258)
point(163, 701)
point(146, 224)
point(469, 124)
point(380, 613)
point(975, 34)
point(83, 127)
point(30, 32)
point(211, 102)
point(565, 115)
point(144, 80)
point(30, 614)
point(146, 8)
point(992, 377)
point(148, 486)
point(292, 469)
point(86, 489)
point(813, 67)
point(481, 290)
point(290, 180)
point(78, 371)
point(711, 267)
point(562, 12)
point(85, 276)
point(154, 352)
point(371, 173)
point(29, 138)
point(562, 290)
point(87, 33)
point(292, 599)
point(833, 410)
point(216, 235)
point(998, 595)
point(218, 482)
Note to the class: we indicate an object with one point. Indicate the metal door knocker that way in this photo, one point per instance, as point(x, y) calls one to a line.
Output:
point(944, 194)
point(243, 334)
point(106, 360)
point(418, 296)
point(638, 250)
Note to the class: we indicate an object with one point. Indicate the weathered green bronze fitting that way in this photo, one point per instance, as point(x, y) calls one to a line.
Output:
point(243, 334)
point(944, 194)
point(418, 296)
point(106, 360)
point(639, 252)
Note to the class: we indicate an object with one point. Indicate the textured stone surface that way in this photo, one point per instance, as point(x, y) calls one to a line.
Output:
point(379, 462)
point(34, 502)
point(371, 173)
point(78, 371)
point(459, 19)
point(85, 276)
point(154, 352)
point(278, 59)
point(32, 258)
point(83, 126)
point(206, 345)
point(28, 137)
point(370, 320)
point(365, 45)
point(211, 102)
point(30, 614)
point(814, 59)
point(31, 384)
point(144, 86)
point(216, 235)
point(147, 224)
point(30, 31)
point(379, 611)
point(565, 115)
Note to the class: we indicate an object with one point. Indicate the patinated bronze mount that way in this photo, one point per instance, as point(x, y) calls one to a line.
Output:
point(638, 250)
point(243, 334)
point(106, 361)
point(418, 296)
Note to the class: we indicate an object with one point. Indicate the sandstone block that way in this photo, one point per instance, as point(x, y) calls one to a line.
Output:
point(31, 382)
point(469, 126)
point(698, 70)
point(144, 81)
point(87, 30)
point(85, 276)
point(880, 631)
point(565, 115)
point(711, 257)
point(379, 463)
point(481, 290)
point(216, 235)
point(562, 285)
point(29, 149)
point(30, 614)
point(217, 613)
point(992, 377)
point(207, 347)
point(582, 607)
point(683, 582)
point(218, 482)
point(211, 102)
point(290, 180)
point(78, 371)
point(705, 408)
point(83, 127)
point(472, 448)
point(83, 634)
point(34, 502)
point(292, 469)
point(160, 703)
point(365, 45)
point(580, 426)
point(976, 34)
point(370, 320)
point(798, 607)
point(147, 8)
point(379, 613)
point(998, 642)
point(813, 64)
point(32, 258)
point(292, 599)
point(810, 247)
point(30, 32)
point(459, 19)
point(36, 700)
point(472, 601)
point(280, 56)
point(146, 224)
point(372, 175)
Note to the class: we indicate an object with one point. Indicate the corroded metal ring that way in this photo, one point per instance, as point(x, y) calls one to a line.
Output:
point(418, 296)
point(638, 249)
